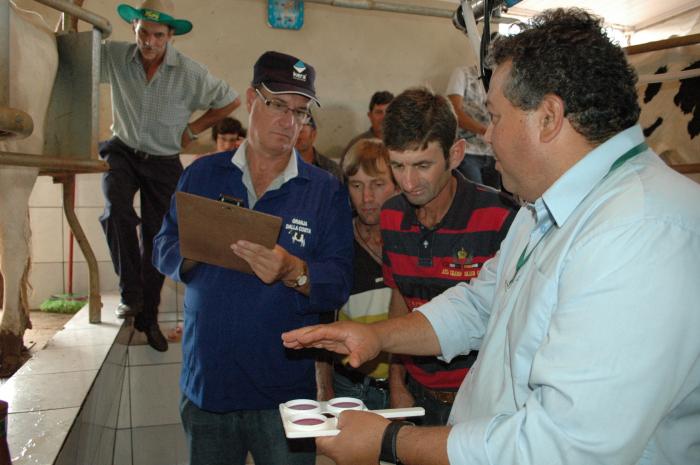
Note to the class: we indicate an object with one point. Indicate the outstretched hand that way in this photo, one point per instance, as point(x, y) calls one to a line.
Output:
point(359, 341)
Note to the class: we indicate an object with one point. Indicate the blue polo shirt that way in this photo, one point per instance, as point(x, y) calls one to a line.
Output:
point(233, 358)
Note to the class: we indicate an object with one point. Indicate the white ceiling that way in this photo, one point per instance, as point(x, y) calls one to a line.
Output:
point(628, 14)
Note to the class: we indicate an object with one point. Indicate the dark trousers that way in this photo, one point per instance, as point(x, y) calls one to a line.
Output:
point(436, 412)
point(130, 238)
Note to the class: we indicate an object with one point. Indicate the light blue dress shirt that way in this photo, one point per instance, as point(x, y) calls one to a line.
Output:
point(592, 354)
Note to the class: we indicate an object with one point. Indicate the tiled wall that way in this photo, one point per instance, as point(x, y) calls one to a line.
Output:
point(50, 241)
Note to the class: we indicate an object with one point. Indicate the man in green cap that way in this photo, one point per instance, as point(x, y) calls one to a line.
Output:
point(155, 90)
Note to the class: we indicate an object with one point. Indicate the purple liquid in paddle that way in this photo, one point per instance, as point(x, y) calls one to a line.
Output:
point(308, 421)
point(303, 407)
point(345, 404)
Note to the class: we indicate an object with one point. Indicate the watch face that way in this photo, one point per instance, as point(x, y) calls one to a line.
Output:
point(285, 14)
point(301, 280)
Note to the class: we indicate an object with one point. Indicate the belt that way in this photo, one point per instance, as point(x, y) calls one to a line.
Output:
point(358, 377)
point(446, 397)
point(141, 154)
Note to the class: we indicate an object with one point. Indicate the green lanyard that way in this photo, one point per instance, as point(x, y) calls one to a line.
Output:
point(633, 152)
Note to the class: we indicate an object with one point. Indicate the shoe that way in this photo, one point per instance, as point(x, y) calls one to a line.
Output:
point(125, 310)
point(156, 338)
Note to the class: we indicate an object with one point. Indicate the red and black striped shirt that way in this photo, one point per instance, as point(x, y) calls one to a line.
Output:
point(424, 262)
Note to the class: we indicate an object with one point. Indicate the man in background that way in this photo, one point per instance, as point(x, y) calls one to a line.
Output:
point(155, 90)
point(377, 109)
point(308, 152)
point(370, 184)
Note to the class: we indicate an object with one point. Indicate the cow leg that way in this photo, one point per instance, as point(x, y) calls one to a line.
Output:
point(16, 185)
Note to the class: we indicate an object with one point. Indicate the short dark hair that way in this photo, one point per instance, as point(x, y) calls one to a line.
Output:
point(227, 125)
point(565, 52)
point(381, 97)
point(417, 117)
point(365, 154)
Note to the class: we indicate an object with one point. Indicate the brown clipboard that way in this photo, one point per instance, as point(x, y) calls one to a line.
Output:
point(208, 227)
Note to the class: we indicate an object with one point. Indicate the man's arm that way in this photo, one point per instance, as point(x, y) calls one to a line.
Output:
point(410, 334)
point(324, 379)
point(398, 393)
point(361, 436)
point(465, 121)
point(208, 119)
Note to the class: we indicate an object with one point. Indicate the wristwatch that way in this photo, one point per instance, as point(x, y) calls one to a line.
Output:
point(303, 278)
point(387, 453)
point(191, 134)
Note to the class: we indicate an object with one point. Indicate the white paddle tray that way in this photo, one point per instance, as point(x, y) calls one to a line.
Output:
point(329, 425)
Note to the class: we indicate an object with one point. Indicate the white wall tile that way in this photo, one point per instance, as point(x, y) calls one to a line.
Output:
point(168, 297)
point(33, 435)
point(144, 355)
point(29, 392)
point(155, 395)
point(88, 217)
point(156, 445)
point(47, 234)
point(109, 281)
point(88, 190)
point(46, 193)
point(46, 279)
point(123, 448)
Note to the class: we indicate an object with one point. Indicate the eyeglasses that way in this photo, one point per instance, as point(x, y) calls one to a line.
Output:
point(278, 107)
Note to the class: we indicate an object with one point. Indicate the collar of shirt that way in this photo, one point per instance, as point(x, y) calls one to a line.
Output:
point(573, 186)
point(410, 219)
point(240, 160)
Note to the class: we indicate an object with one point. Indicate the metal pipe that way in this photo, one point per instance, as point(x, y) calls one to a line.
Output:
point(386, 6)
point(53, 164)
point(669, 76)
point(96, 20)
point(663, 44)
point(4, 53)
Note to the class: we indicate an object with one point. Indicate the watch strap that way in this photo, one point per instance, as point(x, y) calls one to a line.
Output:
point(387, 452)
point(191, 134)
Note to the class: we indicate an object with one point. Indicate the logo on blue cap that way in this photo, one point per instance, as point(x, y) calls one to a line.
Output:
point(299, 71)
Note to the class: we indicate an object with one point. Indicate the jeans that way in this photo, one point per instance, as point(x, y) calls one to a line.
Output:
point(226, 438)
point(373, 397)
point(480, 169)
point(436, 412)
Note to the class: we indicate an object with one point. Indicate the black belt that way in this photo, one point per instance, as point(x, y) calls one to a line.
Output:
point(358, 377)
point(140, 154)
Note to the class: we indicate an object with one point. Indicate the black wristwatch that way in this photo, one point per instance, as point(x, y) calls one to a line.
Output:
point(388, 451)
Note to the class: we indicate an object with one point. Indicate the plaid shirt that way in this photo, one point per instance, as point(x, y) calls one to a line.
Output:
point(151, 116)
point(465, 82)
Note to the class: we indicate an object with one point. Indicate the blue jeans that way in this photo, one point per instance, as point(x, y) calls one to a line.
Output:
point(373, 397)
point(226, 438)
point(436, 412)
point(480, 169)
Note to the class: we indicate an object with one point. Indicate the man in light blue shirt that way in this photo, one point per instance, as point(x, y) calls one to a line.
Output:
point(587, 320)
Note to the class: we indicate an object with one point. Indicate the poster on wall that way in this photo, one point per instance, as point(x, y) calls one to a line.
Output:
point(285, 14)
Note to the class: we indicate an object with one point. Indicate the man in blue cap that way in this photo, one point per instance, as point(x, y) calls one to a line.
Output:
point(234, 372)
point(155, 90)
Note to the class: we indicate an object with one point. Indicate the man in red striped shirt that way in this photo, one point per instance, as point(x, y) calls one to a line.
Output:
point(437, 234)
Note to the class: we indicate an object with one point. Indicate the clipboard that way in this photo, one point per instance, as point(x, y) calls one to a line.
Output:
point(208, 227)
